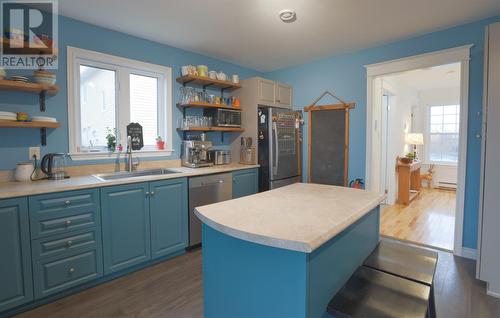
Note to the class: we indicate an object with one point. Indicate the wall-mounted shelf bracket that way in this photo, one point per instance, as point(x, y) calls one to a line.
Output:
point(207, 85)
point(43, 136)
point(41, 99)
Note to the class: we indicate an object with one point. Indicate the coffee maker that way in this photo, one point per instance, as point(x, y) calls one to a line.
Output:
point(194, 153)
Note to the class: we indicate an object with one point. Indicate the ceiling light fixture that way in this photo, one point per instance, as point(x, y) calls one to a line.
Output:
point(288, 15)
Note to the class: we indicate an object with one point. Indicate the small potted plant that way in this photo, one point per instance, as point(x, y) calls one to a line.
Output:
point(111, 138)
point(408, 158)
point(160, 144)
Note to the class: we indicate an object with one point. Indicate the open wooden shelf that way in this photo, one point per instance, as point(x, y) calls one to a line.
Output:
point(28, 87)
point(222, 129)
point(206, 105)
point(31, 124)
point(41, 51)
point(207, 82)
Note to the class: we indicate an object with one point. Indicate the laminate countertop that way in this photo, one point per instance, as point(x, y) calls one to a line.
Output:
point(299, 217)
point(13, 189)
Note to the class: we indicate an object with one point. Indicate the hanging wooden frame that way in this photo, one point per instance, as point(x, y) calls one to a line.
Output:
point(330, 107)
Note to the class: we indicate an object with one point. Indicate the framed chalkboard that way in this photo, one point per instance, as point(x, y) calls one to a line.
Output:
point(134, 130)
point(328, 143)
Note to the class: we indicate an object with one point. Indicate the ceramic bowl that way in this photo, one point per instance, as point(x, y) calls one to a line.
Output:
point(45, 80)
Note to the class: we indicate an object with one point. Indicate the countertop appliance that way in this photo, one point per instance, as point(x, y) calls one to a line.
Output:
point(247, 151)
point(206, 190)
point(219, 157)
point(224, 117)
point(194, 153)
point(280, 147)
point(54, 165)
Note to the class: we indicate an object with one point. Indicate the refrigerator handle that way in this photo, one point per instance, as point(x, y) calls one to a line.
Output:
point(276, 155)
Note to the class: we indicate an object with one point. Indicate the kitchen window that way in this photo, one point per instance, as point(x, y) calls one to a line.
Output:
point(443, 134)
point(106, 93)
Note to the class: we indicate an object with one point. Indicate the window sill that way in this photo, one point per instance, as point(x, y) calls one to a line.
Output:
point(441, 163)
point(115, 155)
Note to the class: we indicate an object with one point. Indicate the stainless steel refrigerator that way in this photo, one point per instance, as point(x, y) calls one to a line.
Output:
point(279, 147)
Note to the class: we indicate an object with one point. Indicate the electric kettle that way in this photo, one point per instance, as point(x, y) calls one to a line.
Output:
point(53, 165)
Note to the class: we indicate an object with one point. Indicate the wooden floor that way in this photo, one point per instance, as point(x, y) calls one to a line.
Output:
point(169, 289)
point(427, 220)
point(174, 289)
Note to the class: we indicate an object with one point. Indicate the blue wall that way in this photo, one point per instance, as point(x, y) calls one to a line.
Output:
point(343, 74)
point(346, 76)
point(14, 143)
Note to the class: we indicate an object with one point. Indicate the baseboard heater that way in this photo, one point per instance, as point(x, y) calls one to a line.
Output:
point(446, 185)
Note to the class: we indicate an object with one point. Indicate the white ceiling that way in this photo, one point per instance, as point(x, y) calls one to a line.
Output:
point(249, 32)
point(443, 76)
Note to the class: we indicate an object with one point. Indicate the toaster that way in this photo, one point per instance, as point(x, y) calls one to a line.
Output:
point(219, 157)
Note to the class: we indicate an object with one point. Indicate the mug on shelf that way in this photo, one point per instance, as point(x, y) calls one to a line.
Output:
point(235, 78)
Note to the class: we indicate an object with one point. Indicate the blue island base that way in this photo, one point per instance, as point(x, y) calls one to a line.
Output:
point(244, 279)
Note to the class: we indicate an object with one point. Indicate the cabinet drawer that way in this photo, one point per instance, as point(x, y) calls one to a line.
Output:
point(59, 213)
point(63, 224)
point(49, 205)
point(61, 245)
point(52, 276)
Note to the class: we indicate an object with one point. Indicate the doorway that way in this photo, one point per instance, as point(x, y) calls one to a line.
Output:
point(418, 107)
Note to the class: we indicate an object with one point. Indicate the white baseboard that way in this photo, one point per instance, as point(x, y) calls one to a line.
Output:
point(466, 252)
point(492, 293)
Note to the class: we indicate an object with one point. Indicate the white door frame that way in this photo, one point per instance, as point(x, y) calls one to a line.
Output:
point(453, 55)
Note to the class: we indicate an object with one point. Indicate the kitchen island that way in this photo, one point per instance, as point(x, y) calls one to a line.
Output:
point(285, 252)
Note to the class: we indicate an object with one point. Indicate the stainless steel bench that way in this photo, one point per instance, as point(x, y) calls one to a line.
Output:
point(396, 280)
point(370, 293)
point(406, 261)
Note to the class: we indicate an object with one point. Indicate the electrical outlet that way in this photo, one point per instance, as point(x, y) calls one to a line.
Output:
point(34, 151)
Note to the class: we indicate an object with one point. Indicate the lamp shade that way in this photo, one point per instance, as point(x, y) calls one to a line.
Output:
point(414, 139)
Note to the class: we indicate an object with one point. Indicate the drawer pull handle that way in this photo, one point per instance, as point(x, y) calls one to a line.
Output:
point(68, 222)
point(69, 243)
point(72, 270)
point(152, 193)
point(147, 193)
point(67, 203)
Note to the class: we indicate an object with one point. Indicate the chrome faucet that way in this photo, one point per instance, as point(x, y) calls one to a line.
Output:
point(130, 165)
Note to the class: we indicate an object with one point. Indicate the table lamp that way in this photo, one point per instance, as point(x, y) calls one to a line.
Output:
point(414, 139)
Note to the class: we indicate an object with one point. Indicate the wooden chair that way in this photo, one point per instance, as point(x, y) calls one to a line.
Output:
point(428, 176)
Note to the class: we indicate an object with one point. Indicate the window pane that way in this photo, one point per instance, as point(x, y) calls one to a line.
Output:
point(437, 128)
point(443, 147)
point(436, 120)
point(436, 110)
point(97, 103)
point(450, 128)
point(144, 105)
point(449, 119)
point(450, 109)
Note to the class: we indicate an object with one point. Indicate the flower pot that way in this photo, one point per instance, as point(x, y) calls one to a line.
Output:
point(160, 145)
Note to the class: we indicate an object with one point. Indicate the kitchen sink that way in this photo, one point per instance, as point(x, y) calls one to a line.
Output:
point(134, 174)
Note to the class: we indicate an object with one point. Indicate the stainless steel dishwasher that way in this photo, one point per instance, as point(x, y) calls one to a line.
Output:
point(206, 190)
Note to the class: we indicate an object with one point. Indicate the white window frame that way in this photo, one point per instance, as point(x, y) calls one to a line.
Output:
point(123, 67)
point(428, 134)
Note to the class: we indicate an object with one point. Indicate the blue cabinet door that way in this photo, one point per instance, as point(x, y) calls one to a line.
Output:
point(125, 226)
point(245, 182)
point(169, 216)
point(16, 281)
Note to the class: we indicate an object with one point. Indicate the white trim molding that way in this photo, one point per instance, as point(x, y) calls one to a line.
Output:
point(466, 252)
point(430, 59)
point(453, 55)
point(123, 67)
point(493, 291)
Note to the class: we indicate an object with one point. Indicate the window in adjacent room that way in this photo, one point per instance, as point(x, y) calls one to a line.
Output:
point(443, 134)
point(106, 93)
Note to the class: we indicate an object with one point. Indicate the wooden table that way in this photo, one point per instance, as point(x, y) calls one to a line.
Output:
point(408, 181)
